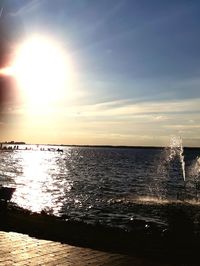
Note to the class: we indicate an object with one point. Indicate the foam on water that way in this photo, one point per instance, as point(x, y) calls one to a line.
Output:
point(154, 200)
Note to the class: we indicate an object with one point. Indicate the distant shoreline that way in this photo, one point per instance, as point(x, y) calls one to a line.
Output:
point(94, 146)
point(119, 147)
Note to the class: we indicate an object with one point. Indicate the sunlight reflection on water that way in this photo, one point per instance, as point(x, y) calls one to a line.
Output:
point(39, 185)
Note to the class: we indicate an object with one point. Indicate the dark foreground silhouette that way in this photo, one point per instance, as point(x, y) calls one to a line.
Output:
point(6, 193)
point(177, 243)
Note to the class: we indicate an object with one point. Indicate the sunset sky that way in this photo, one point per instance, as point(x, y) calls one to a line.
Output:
point(132, 71)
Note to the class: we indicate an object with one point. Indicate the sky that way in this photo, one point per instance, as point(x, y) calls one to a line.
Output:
point(133, 73)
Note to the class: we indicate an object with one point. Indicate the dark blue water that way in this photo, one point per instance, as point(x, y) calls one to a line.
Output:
point(111, 186)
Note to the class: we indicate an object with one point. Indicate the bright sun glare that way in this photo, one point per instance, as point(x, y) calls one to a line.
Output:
point(41, 70)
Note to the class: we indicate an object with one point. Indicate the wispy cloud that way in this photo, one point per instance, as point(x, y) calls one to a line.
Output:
point(126, 108)
point(29, 6)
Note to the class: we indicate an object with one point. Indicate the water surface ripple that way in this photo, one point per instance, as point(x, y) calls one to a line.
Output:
point(105, 185)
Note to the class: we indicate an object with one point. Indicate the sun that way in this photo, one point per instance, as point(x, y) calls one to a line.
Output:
point(41, 69)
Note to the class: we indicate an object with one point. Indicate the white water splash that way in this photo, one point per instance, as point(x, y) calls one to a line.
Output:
point(195, 170)
point(176, 149)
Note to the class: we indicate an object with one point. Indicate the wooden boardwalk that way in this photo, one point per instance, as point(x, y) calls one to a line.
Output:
point(19, 249)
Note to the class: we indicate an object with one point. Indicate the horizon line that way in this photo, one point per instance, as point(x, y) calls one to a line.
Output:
point(94, 145)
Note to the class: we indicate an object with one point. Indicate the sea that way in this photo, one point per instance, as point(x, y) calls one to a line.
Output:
point(102, 185)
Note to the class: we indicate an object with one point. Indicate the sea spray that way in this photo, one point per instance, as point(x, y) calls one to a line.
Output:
point(171, 171)
point(182, 161)
point(176, 150)
point(194, 176)
point(195, 169)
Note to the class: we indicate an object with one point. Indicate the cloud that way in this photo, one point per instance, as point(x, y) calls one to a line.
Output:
point(184, 126)
point(160, 118)
point(124, 108)
point(19, 8)
point(155, 121)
